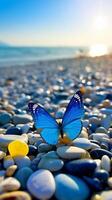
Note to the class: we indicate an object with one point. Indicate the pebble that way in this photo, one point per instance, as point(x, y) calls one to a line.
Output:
point(43, 147)
point(22, 176)
point(11, 170)
point(13, 131)
point(32, 150)
point(21, 119)
point(5, 118)
point(2, 155)
point(83, 167)
point(9, 184)
point(101, 130)
point(8, 161)
point(2, 173)
point(106, 195)
point(102, 175)
point(51, 164)
point(71, 152)
point(83, 143)
point(98, 153)
point(6, 139)
point(70, 187)
point(22, 161)
point(110, 182)
point(18, 148)
point(41, 184)
point(17, 195)
point(105, 163)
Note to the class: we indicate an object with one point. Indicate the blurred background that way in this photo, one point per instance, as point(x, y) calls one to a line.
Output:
point(53, 29)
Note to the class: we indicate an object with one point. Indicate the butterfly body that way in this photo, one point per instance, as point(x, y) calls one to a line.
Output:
point(61, 129)
point(70, 126)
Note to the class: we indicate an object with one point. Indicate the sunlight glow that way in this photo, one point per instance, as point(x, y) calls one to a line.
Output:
point(101, 22)
point(98, 50)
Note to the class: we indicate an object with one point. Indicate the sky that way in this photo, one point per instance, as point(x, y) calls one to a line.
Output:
point(56, 22)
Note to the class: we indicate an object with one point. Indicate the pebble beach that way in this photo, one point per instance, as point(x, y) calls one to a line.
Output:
point(31, 169)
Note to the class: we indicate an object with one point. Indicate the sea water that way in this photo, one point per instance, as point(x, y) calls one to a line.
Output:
point(25, 55)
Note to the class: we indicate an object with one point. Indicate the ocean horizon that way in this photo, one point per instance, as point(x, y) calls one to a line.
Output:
point(12, 55)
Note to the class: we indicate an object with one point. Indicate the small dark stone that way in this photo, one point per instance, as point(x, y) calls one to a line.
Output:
point(33, 150)
point(98, 153)
point(93, 183)
point(102, 175)
point(13, 131)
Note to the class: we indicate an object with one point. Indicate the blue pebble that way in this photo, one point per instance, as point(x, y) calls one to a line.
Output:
point(22, 176)
point(93, 183)
point(13, 131)
point(83, 167)
point(22, 161)
point(98, 153)
point(102, 175)
point(5, 118)
point(70, 187)
point(33, 150)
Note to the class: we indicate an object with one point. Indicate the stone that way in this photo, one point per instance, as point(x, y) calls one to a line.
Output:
point(17, 195)
point(9, 184)
point(41, 184)
point(71, 152)
point(5, 118)
point(21, 119)
point(51, 164)
point(11, 170)
point(2, 155)
point(105, 163)
point(6, 139)
point(83, 167)
point(102, 175)
point(13, 131)
point(98, 153)
point(18, 148)
point(32, 150)
point(43, 147)
point(22, 176)
point(69, 187)
point(83, 143)
point(22, 161)
point(8, 161)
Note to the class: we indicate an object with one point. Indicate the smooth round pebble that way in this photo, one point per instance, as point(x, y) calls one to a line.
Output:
point(13, 131)
point(8, 161)
point(51, 164)
point(21, 119)
point(70, 187)
point(41, 184)
point(18, 148)
point(83, 143)
point(9, 184)
point(71, 152)
point(2, 155)
point(22, 176)
point(82, 167)
point(11, 170)
point(105, 163)
point(6, 139)
point(22, 161)
point(5, 118)
point(32, 150)
point(18, 195)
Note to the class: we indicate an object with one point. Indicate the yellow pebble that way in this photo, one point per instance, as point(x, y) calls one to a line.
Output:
point(18, 148)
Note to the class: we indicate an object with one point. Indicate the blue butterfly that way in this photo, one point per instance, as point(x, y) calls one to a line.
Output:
point(71, 124)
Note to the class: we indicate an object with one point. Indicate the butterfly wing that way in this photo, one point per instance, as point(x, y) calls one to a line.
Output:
point(71, 122)
point(44, 121)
